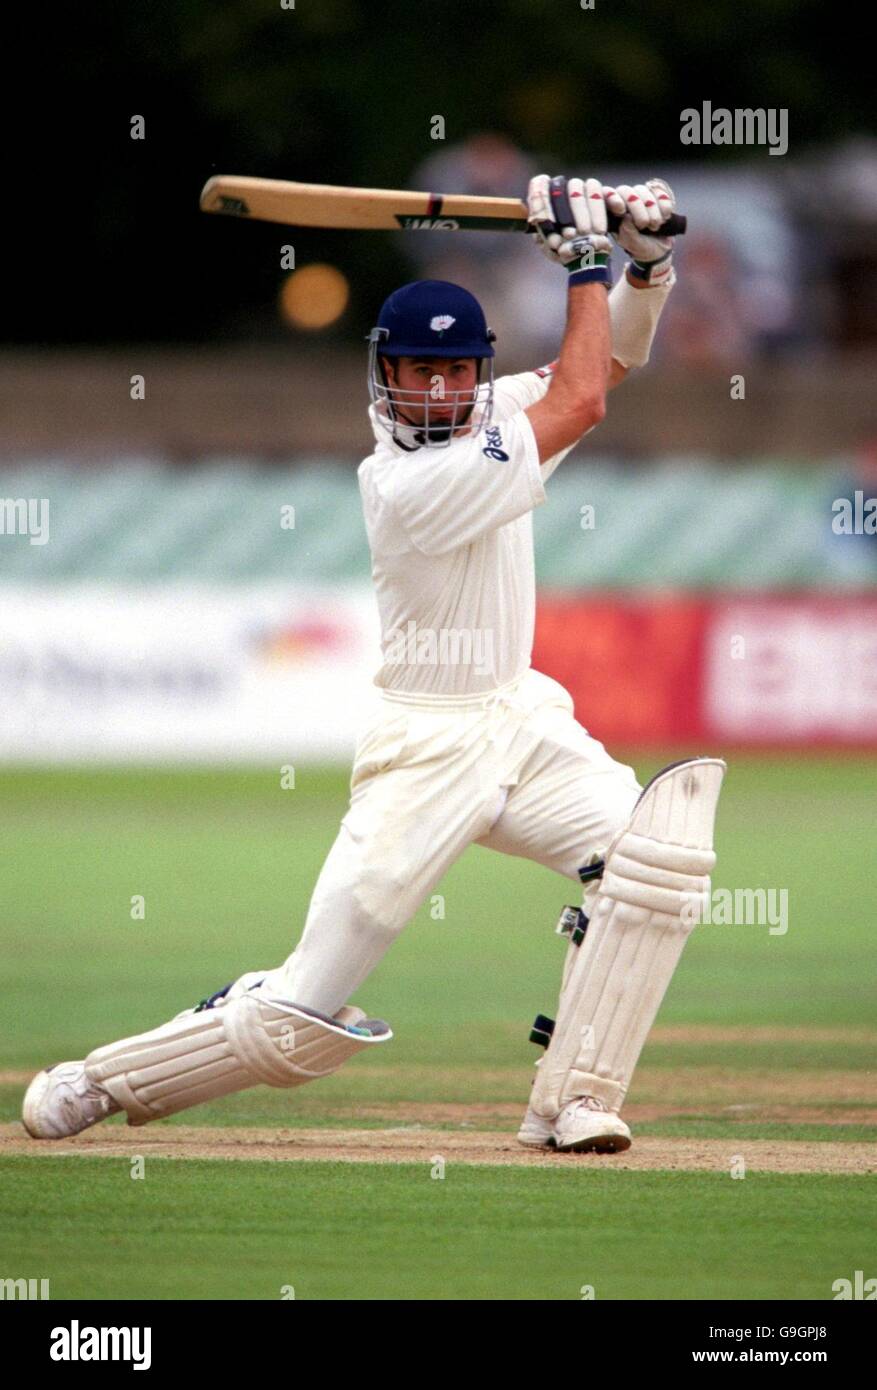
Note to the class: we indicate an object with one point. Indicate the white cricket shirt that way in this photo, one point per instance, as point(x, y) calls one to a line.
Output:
point(451, 537)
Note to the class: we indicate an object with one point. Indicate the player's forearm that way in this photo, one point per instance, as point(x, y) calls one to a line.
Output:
point(576, 399)
point(635, 308)
point(581, 378)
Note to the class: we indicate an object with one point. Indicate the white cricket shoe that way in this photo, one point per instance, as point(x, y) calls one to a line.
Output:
point(61, 1101)
point(584, 1125)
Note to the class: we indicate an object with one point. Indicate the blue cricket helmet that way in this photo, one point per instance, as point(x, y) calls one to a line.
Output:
point(430, 318)
point(434, 318)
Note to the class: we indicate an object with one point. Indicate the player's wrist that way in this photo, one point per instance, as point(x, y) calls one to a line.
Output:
point(651, 273)
point(592, 268)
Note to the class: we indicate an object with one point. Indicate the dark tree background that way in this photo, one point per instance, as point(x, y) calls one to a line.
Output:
point(104, 241)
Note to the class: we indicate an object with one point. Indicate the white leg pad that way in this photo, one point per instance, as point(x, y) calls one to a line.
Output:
point(657, 872)
point(238, 1043)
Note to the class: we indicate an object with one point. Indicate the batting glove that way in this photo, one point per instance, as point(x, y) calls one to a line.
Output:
point(646, 205)
point(568, 217)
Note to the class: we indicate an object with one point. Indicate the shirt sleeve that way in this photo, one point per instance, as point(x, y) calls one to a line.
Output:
point(446, 498)
point(518, 392)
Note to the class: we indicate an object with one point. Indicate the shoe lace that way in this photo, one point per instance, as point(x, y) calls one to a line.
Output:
point(88, 1093)
point(592, 1103)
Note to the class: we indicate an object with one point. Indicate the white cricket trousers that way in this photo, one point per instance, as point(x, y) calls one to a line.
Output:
point(512, 770)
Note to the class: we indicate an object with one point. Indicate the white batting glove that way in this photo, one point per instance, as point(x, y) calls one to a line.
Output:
point(645, 205)
point(568, 217)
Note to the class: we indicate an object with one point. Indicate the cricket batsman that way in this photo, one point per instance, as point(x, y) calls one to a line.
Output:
point(468, 744)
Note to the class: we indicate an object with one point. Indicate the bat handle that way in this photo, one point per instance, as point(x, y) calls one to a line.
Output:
point(674, 226)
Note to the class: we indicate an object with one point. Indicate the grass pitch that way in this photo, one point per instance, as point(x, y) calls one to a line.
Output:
point(763, 1037)
point(351, 1231)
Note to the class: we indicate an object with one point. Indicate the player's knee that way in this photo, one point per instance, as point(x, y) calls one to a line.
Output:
point(614, 820)
point(620, 800)
point(618, 819)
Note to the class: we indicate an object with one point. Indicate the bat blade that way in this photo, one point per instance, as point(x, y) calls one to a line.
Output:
point(367, 209)
point(358, 209)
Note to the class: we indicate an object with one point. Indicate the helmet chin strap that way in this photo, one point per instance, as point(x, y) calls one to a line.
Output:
point(436, 434)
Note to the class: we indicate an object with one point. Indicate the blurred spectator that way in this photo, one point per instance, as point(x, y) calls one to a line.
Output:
point(485, 164)
point(705, 322)
point(842, 237)
point(740, 267)
point(522, 293)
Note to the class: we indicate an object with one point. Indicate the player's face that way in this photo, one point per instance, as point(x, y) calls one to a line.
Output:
point(451, 385)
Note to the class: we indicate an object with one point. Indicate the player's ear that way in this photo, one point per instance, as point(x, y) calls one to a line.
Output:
point(389, 365)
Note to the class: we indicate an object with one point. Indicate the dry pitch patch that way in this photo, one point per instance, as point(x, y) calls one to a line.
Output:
point(414, 1145)
point(483, 1132)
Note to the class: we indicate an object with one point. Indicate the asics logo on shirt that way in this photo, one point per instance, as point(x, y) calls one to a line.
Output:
point(494, 448)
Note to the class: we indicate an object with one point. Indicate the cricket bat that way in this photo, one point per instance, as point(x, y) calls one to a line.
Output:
point(374, 209)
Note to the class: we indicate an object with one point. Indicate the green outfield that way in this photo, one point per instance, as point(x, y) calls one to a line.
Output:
point(762, 1060)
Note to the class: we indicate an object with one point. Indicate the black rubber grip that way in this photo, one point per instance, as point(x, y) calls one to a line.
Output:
point(674, 226)
point(560, 204)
